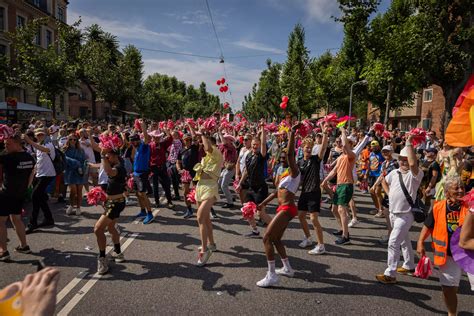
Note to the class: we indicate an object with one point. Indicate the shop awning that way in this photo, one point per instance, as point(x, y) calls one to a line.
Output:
point(25, 107)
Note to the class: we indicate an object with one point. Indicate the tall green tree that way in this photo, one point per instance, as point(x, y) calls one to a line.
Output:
point(131, 76)
point(296, 74)
point(268, 95)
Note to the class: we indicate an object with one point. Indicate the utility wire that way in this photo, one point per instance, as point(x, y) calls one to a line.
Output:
point(214, 28)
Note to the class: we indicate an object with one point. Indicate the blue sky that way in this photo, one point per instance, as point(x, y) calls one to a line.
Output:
point(245, 27)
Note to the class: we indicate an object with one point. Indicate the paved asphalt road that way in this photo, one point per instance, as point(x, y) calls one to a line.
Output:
point(160, 276)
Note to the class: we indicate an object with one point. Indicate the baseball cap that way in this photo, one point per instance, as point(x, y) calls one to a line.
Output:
point(387, 148)
point(134, 137)
point(374, 143)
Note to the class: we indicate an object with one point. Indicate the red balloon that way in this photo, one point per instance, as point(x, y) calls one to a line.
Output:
point(225, 88)
point(226, 105)
point(218, 82)
point(221, 89)
point(222, 80)
point(283, 105)
point(285, 99)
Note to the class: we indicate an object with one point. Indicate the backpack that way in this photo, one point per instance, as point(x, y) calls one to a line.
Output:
point(59, 162)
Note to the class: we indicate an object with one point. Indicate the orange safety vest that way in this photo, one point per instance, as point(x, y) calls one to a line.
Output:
point(440, 231)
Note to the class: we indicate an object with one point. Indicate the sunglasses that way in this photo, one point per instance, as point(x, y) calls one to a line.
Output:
point(403, 159)
point(72, 139)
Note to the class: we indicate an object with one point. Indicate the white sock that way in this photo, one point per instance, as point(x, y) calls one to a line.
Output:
point(286, 263)
point(271, 266)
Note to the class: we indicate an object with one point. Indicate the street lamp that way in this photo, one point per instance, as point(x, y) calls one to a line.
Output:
point(364, 82)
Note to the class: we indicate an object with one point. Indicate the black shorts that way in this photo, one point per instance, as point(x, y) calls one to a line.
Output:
point(257, 195)
point(10, 205)
point(141, 183)
point(310, 202)
point(114, 208)
point(371, 181)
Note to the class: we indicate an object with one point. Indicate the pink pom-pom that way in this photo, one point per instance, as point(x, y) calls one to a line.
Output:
point(191, 196)
point(95, 196)
point(468, 199)
point(130, 182)
point(5, 132)
point(379, 127)
point(345, 118)
point(225, 123)
point(191, 122)
point(386, 135)
point(423, 269)
point(170, 124)
point(305, 128)
point(200, 121)
point(248, 210)
point(418, 136)
point(272, 127)
point(137, 125)
point(186, 177)
point(210, 123)
point(162, 125)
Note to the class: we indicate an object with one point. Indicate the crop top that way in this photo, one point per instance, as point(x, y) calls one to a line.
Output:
point(288, 182)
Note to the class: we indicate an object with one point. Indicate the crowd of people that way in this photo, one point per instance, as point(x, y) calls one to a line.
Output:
point(302, 164)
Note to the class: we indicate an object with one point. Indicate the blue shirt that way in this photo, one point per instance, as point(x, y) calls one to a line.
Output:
point(375, 164)
point(141, 163)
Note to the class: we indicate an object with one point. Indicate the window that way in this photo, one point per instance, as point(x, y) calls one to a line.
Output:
point(2, 19)
point(61, 16)
point(38, 38)
point(83, 111)
point(426, 124)
point(36, 3)
point(49, 38)
point(3, 50)
point(414, 123)
point(20, 21)
point(428, 95)
point(403, 125)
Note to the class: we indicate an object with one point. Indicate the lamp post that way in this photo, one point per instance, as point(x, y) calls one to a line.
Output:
point(364, 82)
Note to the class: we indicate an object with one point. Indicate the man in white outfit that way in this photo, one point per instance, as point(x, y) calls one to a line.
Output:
point(401, 216)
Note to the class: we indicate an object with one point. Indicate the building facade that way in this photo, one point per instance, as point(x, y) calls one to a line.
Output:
point(15, 14)
point(80, 105)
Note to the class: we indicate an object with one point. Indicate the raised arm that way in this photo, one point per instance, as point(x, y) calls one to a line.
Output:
point(324, 145)
point(111, 172)
point(412, 161)
point(35, 145)
point(345, 143)
point(146, 137)
point(263, 140)
point(294, 170)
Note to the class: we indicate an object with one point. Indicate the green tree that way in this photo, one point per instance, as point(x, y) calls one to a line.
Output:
point(268, 95)
point(296, 75)
point(131, 76)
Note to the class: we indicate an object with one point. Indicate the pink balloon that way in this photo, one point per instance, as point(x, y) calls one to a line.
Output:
point(218, 82)
point(222, 80)
point(285, 99)
point(283, 105)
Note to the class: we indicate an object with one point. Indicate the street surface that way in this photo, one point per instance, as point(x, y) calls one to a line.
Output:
point(160, 277)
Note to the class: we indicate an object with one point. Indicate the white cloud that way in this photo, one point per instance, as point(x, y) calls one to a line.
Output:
point(320, 11)
point(130, 31)
point(258, 46)
point(194, 71)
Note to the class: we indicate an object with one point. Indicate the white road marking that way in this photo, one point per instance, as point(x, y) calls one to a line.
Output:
point(71, 285)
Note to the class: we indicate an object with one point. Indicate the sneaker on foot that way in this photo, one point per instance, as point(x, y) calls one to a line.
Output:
point(30, 228)
point(286, 272)
point(380, 214)
point(382, 278)
point(337, 233)
point(141, 214)
point(5, 256)
point(170, 205)
point(353, 223)
point(211, 247)
point(78, 211)
point(305, 243)
point(253, 233)
point(188, 214)
point(148, 219)
point(102, 266)
point(128, 202)
point(203, 257)
point(343, 241)
point(317, 250)
point(270, 279)
point(46, 223)
point(69, 210)
point(25, 249)
point(214, 216)
point(404, 271)
point(118, 257)
point(228, 205)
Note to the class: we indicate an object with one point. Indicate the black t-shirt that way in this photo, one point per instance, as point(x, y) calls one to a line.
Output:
point(398, 148)
point(453, 213)
point(17, 168)
point(189, 157)
point(428, 168)
point(116, 184)
point(310, 173)
point(255, 166)
point(96, 153)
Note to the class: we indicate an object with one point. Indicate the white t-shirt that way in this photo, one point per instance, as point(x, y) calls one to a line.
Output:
point(44, 164)
point(397, 200)
point(316, 149)
point(88, 151)
point(242, 156)
point(103, 177)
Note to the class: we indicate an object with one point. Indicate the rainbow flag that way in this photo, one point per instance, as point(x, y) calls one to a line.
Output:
point(460, 131)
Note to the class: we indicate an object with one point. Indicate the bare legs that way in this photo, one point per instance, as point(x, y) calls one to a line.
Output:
point(204, 222)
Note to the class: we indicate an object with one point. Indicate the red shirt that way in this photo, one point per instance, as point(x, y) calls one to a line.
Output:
point(158, 152)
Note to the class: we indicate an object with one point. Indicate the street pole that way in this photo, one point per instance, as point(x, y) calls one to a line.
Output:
point(350, 100)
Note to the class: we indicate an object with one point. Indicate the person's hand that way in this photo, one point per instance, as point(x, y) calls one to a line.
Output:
point(295, 127)
point(325, 127)
point(409, 138)
point(420, 249)
point(39, 291)
point(238, 188)
point(26, 138)
point(428, 191)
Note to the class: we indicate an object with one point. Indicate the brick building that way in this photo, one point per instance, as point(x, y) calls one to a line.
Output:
point(16, 13)
point(80, 104)
point(427, 111)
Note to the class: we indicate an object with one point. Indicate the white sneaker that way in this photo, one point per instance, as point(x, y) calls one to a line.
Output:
point(69, 210)
point(204, 257)
point(270, 279)
point(211, 247)
point(317, 250)
point(353, 223)
point(102, 266)
point(306, 243)
point(117, 257)
point(78, 211)
point(286, 272)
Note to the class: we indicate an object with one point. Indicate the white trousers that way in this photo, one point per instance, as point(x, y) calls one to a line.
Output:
point(400, 238)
